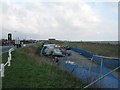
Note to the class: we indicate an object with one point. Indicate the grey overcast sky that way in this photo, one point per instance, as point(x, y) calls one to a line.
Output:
point(86, 20)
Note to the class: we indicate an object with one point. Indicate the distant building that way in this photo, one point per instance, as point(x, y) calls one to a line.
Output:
point(52, 40)
point(6, 42)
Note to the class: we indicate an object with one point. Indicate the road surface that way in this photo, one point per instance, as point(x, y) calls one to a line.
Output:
point(79, 59)
point(6, 48)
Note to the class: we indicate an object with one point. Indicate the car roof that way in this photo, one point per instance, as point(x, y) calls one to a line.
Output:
point(49, 45)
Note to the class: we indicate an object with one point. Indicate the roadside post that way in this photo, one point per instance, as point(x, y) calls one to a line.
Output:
point(2, 70)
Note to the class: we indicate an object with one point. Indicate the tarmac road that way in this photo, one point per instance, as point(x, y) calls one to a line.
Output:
point(79, 60)
point(6, 48)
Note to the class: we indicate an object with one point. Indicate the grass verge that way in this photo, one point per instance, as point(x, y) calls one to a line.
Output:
point(29, 70)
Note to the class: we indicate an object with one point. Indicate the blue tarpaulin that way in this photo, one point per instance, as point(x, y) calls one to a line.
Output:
point(83, 52)
point(83, 73)
point(67, 66)
point(88, 74)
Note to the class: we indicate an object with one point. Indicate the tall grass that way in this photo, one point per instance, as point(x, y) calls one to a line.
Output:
point(29, 70)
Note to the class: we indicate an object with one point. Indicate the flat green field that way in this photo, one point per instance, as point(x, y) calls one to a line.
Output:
point(110, 50)
point(29, 70)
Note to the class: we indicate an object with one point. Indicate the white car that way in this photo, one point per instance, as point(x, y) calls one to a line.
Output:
point(51, 49)
point(24, 45)
point(57, 52)
point(47, 49)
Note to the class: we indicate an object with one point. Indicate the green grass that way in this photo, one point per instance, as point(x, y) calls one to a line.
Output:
point(29, 70)
point(109, 50)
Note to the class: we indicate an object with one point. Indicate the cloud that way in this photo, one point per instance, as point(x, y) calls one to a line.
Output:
point(43, 19)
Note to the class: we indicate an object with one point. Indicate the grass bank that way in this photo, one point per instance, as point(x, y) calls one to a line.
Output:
point(29, 70)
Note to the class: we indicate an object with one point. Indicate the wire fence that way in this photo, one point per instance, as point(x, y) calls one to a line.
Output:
point(107, 77)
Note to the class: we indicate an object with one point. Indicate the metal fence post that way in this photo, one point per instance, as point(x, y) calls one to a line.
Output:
point(100, 78)
point(101, 65)
point(90, 67)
